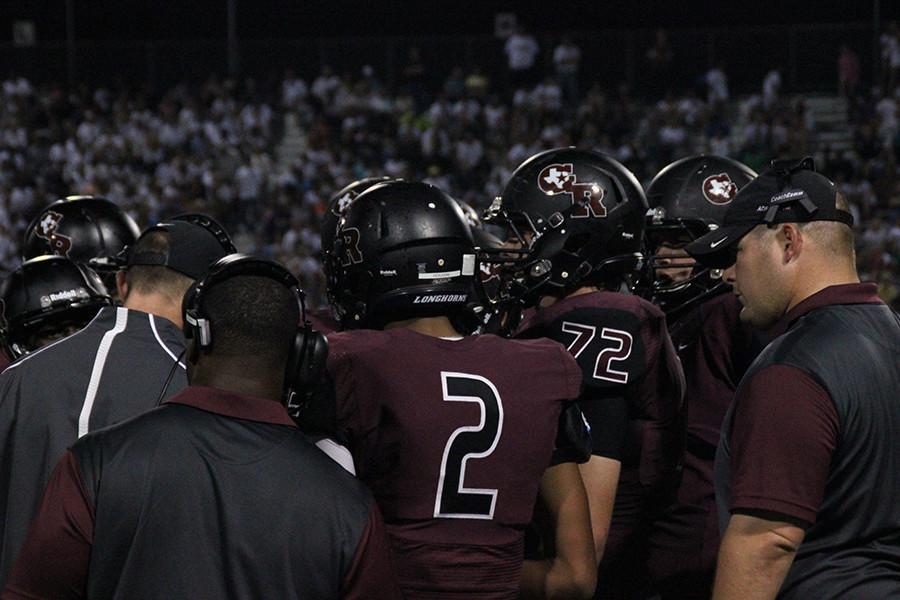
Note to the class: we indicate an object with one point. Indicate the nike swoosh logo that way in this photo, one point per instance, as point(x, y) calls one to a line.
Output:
point(681, 347)
point(714, 244)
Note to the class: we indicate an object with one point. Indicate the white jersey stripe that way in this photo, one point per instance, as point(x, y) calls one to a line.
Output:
point(159, 339)
point(339, 454)
point(97, 372)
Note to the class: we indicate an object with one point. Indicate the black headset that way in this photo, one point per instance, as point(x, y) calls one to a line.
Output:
point(306, 361)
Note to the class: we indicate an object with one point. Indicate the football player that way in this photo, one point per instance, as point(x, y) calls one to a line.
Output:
point(87, 229)
point(45, 299)
point(322, 319)
point(688, 199)
point(455, 435)
point(574, 221)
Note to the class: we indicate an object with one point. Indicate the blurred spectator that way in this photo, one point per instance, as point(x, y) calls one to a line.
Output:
point(547, 96)
point(889, 42)
point(848, 71)
point(771, 88)
point(326, 85)
point(716, 85)
point(455, 84)
point(477, 83)
point(660, 58)
point(567, 60)
point(293, 90)
point(521, 53)
point(886, 111)
point(412, 77)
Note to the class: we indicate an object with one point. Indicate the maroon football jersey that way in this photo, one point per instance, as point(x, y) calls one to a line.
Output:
point(323, 321)
point(624, 350)
point(715, 349)
point(452, 436)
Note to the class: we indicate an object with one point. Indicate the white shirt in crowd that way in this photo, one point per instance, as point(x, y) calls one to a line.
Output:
point(325, 86)
point(292, 91)
point(566, 57)
point(521, 50)
point(887, 112)
point(547, 95)
point(716, 85)
point(890, 50)
point(469, 153)
point(771, 88)
point(672, 135)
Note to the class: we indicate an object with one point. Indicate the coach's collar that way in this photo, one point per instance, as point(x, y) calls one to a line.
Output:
point(237, 406)
point(847, 293)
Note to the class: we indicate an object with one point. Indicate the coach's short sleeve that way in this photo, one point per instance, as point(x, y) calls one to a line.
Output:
point(784, 431)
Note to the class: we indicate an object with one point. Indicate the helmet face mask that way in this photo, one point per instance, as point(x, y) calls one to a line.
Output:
point(688, 199)
point(45, 299)
point(572, 218)
point(672, 279)
point(403, 250)
point(665, 240)
point(50, 330)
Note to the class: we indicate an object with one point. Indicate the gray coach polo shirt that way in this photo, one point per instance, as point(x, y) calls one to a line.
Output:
point(113, 369)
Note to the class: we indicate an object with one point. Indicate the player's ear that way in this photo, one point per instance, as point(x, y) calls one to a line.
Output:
point(122, 285)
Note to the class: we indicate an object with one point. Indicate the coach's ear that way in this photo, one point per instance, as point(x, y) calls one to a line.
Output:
point(122, 285)
point(790, 240)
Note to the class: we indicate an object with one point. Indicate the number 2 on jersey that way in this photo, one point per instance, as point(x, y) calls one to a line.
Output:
point(623, 341)
point(453, 500)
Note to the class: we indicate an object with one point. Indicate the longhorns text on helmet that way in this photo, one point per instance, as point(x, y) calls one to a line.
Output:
point(401, 250)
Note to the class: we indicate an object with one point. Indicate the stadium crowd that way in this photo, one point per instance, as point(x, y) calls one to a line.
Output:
point(213, 145)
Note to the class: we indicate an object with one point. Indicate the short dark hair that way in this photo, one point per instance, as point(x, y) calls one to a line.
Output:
point(836, 238)
point(156, 279)
point(252, 316)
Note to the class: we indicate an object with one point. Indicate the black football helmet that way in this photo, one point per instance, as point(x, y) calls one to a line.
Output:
point(471, 215)
point(86, 229)
point(482, 237)
point(572, 218)
point(403, 250)
point(488, 288)
point(337, 204)
point(46, 298)
point(688, 198)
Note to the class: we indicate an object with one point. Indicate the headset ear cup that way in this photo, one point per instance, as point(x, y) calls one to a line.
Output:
point(189, 310)
point(316, 358)
point(306, 362)
point(188, 318)
point(292, 372)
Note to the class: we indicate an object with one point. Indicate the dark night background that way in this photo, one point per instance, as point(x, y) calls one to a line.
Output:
point(258, 19)
point(157, 58)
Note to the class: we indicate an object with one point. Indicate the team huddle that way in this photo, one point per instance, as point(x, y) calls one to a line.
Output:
point(543, 401)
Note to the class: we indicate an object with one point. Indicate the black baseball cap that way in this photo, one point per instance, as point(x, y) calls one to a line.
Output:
point(789, 192)
point(193, 247)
